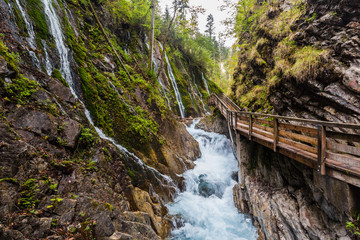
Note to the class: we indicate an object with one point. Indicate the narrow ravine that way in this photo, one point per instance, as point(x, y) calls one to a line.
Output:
point(206, 209)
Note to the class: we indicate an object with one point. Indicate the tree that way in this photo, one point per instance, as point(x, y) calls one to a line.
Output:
point(152, 33)
point(210, 26)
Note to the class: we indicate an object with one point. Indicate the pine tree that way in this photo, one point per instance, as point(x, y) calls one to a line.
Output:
point(210, 26)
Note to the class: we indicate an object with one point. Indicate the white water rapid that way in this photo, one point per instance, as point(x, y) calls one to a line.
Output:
point(63, 51)
point(206, 206)
point(205, 82)
point(176, 89)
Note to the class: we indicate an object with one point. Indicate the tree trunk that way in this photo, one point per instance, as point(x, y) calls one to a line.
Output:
point(152, 33)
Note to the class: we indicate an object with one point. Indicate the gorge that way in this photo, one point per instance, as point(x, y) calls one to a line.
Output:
point(95, 145)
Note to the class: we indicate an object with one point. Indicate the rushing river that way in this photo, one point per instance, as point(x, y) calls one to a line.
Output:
point(206, 206)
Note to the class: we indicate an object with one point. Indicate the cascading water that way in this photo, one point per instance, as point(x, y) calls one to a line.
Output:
point(48, 65)
point(55, 29)
point(162, 84)
point(205, 82)
point(176, 90)
point(206, 206)
point(56, 32)
point(31, 38)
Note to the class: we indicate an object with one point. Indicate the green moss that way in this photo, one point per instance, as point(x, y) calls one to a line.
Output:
point(10, 180)
point(36, 12)
point(57, 74)
point(308, 61)
point(12, 59)
point(20, 89)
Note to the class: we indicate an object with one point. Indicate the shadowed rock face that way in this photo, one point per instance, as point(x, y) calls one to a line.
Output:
point(334, 94)
point(288, 200)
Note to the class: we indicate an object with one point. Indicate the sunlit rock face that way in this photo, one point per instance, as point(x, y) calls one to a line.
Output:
point(302, 59)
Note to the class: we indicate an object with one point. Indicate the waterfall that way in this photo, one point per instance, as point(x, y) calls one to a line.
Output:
point(205, 82)
point(199, 95)
point(31, 38)
point(56, 32)
point(176, 90)
point(206, 207)
point(55, 29)
point(48, 65)
point(162, 84)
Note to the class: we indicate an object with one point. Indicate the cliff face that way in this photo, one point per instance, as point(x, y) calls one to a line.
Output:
point(72, 119)
point(300, 58)
point(288, 200)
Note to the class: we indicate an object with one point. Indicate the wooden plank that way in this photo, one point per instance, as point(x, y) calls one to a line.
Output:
point(267, 142)
point(344, 136)
point(309, 130)
point(315, 122)
point(263, 121)
point(298, 155)
point(265, 128)
point(276, 133)
point(298, 145)
point(346, 159)
point(298, 137)
point(343, 148)
point(343, 176)
point(244, 122)
point(263, 133)
point(323, 149)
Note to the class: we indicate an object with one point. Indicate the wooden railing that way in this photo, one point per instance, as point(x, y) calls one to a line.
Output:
point(330, 147)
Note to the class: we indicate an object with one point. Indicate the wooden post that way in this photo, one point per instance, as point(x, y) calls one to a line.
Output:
point(235, 125)
point(319, 127)
point(238, 155)
point(323, 150)
point(250, 125)
point(276, 133)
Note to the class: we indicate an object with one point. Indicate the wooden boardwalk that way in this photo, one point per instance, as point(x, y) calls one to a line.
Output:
point(329, 147)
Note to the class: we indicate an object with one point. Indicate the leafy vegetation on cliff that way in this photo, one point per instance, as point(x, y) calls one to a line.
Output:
point(267, 53)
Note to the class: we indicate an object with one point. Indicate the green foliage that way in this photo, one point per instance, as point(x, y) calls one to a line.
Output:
point(308, 61)
point(12, 59)
point(28, 192)
point(20, 89)
point(57, 74)
point(55, 201)
point(86, 138)
point(354, 225)
point(10, 180)
point(36, 12)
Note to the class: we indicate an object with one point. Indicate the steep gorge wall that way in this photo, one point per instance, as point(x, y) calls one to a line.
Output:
point(58, 177)
point(300, 58)
point(288, 200)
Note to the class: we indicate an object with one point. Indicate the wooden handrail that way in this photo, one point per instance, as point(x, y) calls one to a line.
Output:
point(327, 151)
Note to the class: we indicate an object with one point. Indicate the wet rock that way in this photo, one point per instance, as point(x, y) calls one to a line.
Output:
point(205, 188)
point(4, 70)
point(143, 203)
point(214, 123)
point(10, 234)
point(39, 122)
point(71, 131)
point(104, 226)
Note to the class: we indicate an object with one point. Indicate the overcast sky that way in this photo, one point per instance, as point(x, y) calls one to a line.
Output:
point(211, 6)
